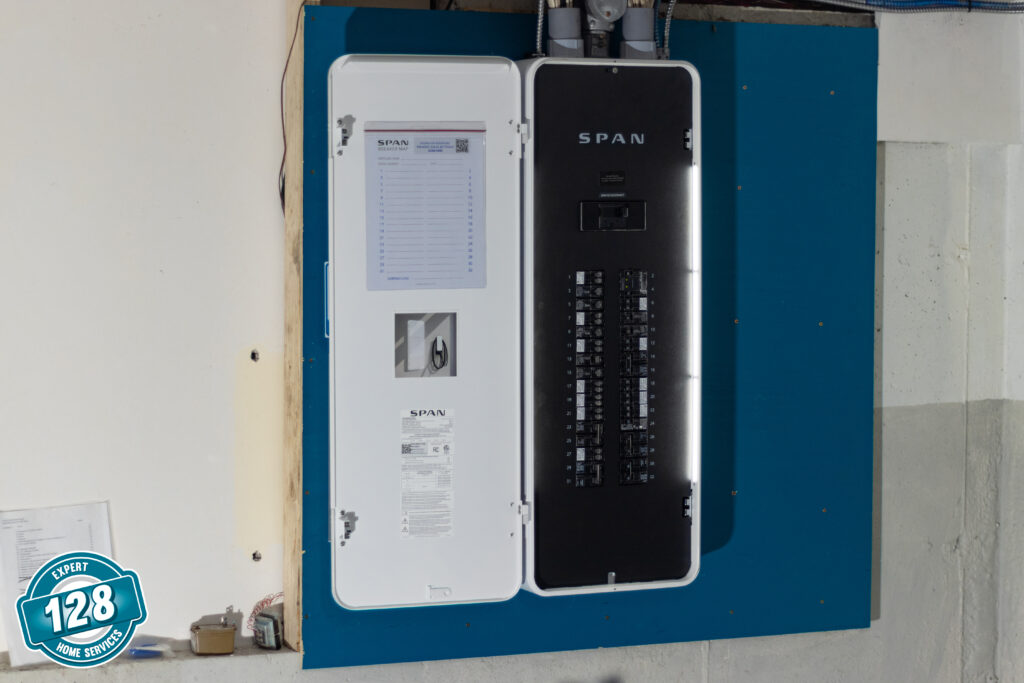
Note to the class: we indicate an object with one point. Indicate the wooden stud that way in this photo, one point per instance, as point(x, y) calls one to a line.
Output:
point(293, 96)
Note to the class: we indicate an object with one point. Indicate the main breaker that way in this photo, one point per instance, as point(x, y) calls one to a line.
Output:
point(513, 306)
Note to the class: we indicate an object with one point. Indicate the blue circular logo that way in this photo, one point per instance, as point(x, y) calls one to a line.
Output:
point(81, 609)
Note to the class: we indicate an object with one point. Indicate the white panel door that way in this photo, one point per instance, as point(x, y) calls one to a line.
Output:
point(424, 330)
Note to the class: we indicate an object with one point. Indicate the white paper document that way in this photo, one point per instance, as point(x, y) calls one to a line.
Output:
point(29, 539)
point(425, 205)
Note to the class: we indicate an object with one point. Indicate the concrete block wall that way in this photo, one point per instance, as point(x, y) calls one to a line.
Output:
point(950, 314)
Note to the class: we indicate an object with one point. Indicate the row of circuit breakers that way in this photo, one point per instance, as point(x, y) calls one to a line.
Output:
point(514, 319)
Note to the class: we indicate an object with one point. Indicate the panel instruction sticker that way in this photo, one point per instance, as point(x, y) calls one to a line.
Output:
point(425, 205)
point(428, 463)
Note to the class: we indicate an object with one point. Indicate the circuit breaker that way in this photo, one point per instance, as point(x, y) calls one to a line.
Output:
point(513, 311)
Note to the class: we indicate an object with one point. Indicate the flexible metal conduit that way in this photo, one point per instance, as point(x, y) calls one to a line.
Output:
point(540, 28)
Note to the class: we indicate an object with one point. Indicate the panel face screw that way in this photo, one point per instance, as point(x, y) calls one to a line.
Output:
point(257, 556)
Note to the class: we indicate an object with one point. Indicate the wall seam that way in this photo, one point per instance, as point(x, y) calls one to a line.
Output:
point(962, 542)
point(1004, 395)
point(997, 495)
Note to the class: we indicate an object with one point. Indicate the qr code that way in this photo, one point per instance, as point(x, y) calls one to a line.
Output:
point(462, 144)
point(406, 449)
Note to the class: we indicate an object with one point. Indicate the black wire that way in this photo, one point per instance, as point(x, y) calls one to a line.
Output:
point(284, 132)
point(449, 5)
point(435, 360)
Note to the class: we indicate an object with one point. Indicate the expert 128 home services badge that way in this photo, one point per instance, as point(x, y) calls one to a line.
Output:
point(81, 609)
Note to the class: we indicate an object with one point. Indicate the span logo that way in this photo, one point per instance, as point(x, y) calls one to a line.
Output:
point(81, 609)
point(392, 144)
point(427, 413)
point(611, 138)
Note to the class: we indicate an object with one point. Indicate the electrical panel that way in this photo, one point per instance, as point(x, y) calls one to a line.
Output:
point(612, 314)
point(513, 310)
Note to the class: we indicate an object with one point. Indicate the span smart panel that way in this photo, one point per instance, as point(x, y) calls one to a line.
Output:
point(787, 193)
point(429, 501)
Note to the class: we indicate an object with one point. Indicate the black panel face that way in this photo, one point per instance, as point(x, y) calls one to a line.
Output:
point(611, 310)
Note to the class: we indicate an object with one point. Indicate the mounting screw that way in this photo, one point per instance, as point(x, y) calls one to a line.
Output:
point(257, 556)
point(254, 355)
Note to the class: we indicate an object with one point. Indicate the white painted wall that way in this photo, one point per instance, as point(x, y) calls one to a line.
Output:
point(924, 286)
point(140, 262)
point(953, 265)
point(1013, 288)
point(950, 77)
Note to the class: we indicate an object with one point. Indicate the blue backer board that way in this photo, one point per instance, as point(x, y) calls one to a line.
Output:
point(789, 228)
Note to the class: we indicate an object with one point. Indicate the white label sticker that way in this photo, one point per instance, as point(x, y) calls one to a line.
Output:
point(425, 206)
point(428, 464)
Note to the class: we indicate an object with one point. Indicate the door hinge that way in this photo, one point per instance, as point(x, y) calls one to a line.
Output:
point(524, 512)
point(688, 504)
point(688, 138)
point(343, 128)
point(524, 131)
point(346, 524)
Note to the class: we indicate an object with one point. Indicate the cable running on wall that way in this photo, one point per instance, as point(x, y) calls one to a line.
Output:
point(284, 132)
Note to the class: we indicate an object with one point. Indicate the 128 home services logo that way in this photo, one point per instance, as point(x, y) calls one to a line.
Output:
point(81, 609)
